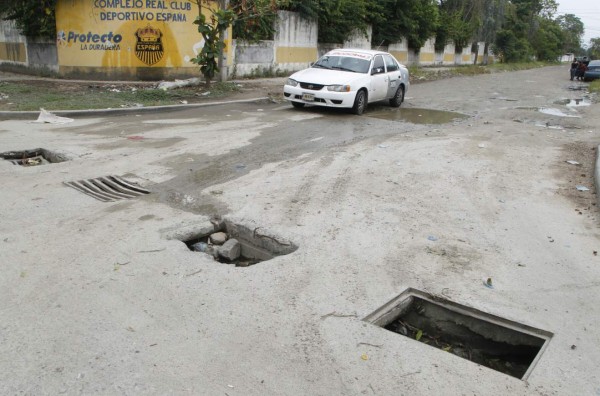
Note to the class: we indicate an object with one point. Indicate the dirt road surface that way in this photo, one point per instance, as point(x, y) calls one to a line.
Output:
point(102, 297)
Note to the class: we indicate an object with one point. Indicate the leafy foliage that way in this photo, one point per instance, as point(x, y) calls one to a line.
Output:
point(415, 20)
point(594, 49)
point(573, 30)
point(255, 19)
point(212, 30)
point(34, 18)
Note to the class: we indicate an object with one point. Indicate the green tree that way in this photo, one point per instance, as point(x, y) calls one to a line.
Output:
point(34, 18)
point(594, 48)
point(212, 30)
point(511, 48)
point(415, 20)
point(459, 20)
point(548, 40)
point(255, 19)
point(573, 30)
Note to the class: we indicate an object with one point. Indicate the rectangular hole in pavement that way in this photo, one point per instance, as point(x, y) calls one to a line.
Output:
point(32, 157)
point(506, 346)
point(240, 245)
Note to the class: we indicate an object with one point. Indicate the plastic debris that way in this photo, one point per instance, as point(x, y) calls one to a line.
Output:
point(383, 145)
point(364, 356)
point(166, 85)
point(432, 238)
point(582, 188)
point(481, 145)
point(572, 162)
point(488, 283)
point(46, 117)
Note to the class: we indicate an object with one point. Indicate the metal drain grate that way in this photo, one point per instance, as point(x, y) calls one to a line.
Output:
point(108, 188)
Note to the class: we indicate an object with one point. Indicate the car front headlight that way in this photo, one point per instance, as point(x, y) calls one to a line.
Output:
point(338, 88)
point(292, 82)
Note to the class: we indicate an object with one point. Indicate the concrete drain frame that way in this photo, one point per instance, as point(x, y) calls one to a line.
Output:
point(231, 243)
point(33, 157)
point(497, 343)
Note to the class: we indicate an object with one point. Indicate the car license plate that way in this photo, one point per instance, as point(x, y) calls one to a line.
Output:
point(308, 97)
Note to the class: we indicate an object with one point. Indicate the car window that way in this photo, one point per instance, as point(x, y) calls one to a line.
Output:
point(344, 63)
point(390, 63)
point(378, 65)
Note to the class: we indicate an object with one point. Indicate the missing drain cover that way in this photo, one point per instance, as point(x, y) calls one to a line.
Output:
point(32, 157)
point(509, 347)
point(108, 188)
point(232, 243)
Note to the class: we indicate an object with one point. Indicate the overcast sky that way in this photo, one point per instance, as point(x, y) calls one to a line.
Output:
point(586, 10)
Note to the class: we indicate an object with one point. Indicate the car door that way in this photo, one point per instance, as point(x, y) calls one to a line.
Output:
point(379, 80)
point(394, 75)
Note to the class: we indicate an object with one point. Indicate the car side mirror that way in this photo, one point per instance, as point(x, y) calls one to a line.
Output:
point(376, 70)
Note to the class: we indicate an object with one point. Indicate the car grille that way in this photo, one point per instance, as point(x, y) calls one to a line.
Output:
point(313, 87)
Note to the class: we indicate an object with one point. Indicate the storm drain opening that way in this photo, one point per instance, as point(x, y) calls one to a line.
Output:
point(32, 157)
point(108, 188)
point(236, 244)
point(500, 344)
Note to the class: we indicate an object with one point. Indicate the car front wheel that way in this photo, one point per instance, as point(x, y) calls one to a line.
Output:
point(360, 102)
point(398, 98)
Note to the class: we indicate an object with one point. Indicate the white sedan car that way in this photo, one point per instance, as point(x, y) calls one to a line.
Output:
point(349, 78)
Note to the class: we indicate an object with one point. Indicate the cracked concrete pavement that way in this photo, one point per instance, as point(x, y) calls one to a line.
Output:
point(96, 299)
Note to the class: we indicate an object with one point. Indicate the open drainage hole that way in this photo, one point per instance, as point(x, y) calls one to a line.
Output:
point(32, 157)
point(231, 243)
point(490, 341)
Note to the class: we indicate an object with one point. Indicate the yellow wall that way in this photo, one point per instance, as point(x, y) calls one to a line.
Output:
point(295, 54)
point(127, 34)
point(448, 58)
point(14, 52)
point(423, 57)
point(401, 56)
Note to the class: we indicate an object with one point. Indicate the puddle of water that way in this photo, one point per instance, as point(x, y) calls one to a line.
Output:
point(419, 116)
point(555, 112)
point(578, 103)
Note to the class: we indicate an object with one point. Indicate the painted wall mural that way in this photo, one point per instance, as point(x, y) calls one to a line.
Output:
point(127, 33)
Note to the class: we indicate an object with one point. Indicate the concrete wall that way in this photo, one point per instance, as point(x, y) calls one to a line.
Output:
point(427, 53)
point(294, 47)
point(400, 51)
point(18, 53)
point(295, 41)
point(359, 39)
point(253, 59)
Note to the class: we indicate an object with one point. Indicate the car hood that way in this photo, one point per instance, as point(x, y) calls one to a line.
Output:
point(320, 76)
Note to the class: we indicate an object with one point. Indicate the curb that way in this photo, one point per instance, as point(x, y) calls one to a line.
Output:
point(597, 175)
point(32, 115)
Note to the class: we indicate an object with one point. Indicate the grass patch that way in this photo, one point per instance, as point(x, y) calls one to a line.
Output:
point(63, 95)
point(431, 73)
point(594, 86)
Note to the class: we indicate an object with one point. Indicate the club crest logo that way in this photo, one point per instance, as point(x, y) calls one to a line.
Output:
point(149, 48)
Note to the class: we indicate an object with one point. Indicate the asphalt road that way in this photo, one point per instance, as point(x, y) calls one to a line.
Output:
point(102, 298)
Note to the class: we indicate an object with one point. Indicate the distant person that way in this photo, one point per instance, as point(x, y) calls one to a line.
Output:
point(581, 70)
point(573, 70)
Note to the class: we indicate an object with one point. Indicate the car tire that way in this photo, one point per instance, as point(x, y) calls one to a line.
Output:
point(398, 98)
point(360, 102)
point(298, 105)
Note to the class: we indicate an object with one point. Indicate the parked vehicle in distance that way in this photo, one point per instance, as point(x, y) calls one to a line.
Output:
point(593, 71)
point(349, 78)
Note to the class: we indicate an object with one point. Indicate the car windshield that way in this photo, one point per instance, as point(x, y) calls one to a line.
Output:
point(344, 63)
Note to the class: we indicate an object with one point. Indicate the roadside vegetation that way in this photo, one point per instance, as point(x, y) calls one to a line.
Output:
point(514, 30)
point(63, 95)
point(595, 86)
point(435, 73)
